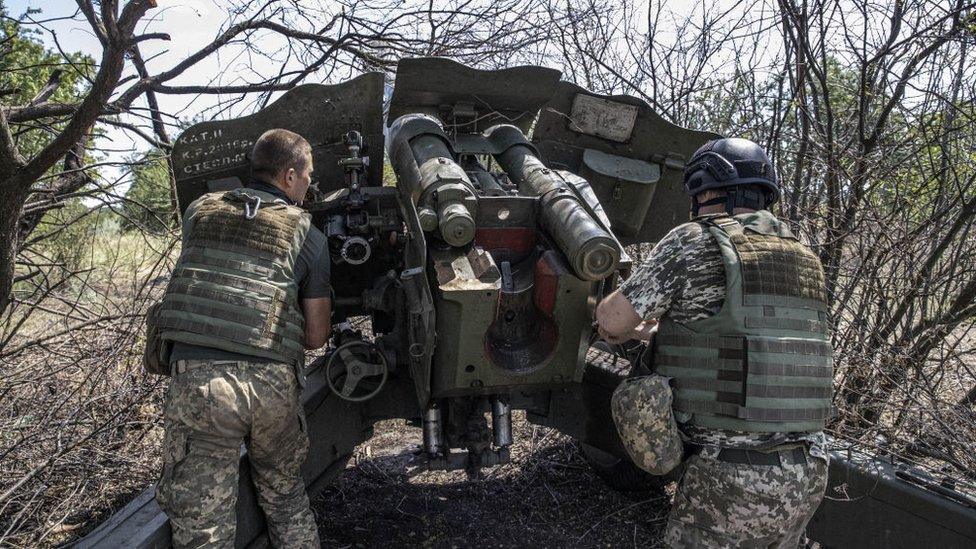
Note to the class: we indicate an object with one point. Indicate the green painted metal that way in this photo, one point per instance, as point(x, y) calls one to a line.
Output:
point(468, 97)
point(477, 355)
point(212, 156)
point(628, 185)
point(569, 126)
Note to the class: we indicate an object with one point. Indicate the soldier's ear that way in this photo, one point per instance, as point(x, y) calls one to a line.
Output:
point(290, 176)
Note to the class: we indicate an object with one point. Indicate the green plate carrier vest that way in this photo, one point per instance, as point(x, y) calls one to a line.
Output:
point(764, 362)
point(233, 287)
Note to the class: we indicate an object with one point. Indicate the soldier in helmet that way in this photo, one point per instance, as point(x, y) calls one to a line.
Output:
point(741, 360)
point(249, 293)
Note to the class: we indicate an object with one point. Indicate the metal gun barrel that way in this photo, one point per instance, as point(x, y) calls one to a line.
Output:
point(440, 189)
point(591, 250)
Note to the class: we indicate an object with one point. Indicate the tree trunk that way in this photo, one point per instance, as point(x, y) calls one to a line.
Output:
point(12, 197)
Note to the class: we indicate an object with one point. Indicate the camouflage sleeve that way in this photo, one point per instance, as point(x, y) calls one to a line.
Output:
point(660, 279)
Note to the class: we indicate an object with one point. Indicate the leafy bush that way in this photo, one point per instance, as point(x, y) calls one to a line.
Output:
point(63, 232)
point(148, 204)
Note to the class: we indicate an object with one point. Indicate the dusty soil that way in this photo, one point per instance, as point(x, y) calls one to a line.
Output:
point(548, 496)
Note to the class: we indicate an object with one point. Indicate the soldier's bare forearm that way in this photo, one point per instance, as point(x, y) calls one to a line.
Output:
point(616, 318)
point(318, 323)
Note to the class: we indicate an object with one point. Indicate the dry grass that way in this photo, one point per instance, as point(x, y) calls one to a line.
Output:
point(79, 421)
point(546, 497)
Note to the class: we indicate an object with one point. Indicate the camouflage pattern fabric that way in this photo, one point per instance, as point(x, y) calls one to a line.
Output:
point(713, 440)
point(683, 276)
point(641, 408)
point(212, 407)
point(720, 504)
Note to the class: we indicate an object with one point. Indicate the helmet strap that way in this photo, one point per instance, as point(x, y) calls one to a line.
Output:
point(730, 200)
point(753, 200)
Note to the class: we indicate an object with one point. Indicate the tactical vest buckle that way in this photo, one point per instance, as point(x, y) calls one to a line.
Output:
point(248, 212)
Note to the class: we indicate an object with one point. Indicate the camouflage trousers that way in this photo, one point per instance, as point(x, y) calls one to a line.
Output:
point(721, 504)
point(211, 408)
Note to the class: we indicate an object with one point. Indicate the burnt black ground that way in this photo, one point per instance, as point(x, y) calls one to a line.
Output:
point(546, 497)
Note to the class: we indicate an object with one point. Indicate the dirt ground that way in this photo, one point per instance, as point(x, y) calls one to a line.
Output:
point(546, 497)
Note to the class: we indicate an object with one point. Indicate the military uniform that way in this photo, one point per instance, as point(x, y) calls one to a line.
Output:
point(232, 312)
point(211, 407)
point(725, 498)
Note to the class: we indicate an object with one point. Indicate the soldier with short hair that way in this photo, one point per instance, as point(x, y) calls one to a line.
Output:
point(741, 360)
point(249, 293)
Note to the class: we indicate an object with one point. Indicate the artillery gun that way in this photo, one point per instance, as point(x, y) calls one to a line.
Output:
point(478, 266)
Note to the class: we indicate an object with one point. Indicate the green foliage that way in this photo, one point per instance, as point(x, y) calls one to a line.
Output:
point(148, 205)
point(389, 176)
point(62, 234)
point(25, 68)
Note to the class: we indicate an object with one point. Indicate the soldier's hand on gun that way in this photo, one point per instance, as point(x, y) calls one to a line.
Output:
point(609, 338)
point(645, 330)
point(642, 332)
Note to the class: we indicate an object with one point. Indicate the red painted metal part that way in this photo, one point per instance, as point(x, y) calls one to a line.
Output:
point(547, 272)
point(516, 240)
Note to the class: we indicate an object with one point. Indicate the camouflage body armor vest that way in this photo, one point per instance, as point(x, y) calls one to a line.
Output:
point(233, 286)
point(763, 363)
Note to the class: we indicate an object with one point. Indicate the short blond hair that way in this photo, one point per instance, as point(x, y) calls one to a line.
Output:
point(278, 150)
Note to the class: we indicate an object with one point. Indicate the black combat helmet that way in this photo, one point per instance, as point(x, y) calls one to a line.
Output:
point(738, 166)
